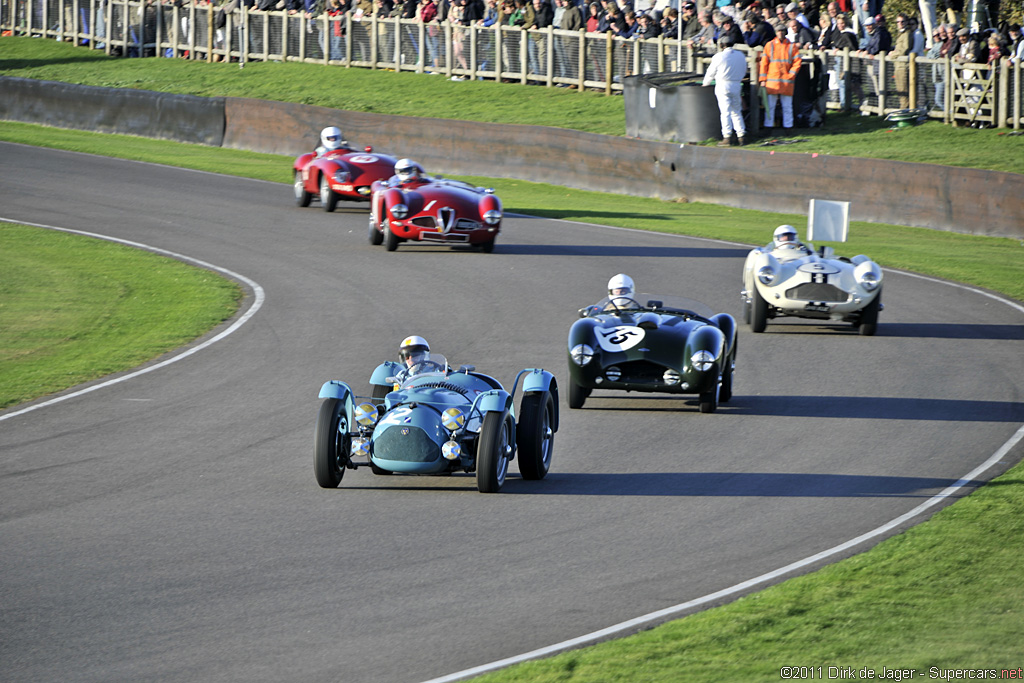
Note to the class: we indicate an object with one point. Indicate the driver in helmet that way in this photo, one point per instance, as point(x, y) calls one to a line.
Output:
point(330, 140)
point(621, 291)
point(407, 171)
point(786, 239)
point(414, 351)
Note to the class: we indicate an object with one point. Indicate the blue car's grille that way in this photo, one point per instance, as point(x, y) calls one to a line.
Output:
point(407, 444)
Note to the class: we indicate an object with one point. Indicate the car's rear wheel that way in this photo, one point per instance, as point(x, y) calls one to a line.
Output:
point(577, 395)
point(328, 197)
point(535, 434)
point(493, 453)
point(390, 238)
point(376, 236)
point(869, 317)
point(302, 197)
point(330, 444)
point(709, 399)
point(758, 313)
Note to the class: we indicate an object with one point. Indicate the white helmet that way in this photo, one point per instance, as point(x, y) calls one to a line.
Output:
point(330, 138)
point(415, 348)
point(407, 169)
point(621, 285)
point(784, 234)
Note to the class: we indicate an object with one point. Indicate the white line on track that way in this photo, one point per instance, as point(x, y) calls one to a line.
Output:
point(257, 303)
point(763, 579)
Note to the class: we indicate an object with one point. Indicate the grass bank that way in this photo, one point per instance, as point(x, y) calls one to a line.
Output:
point(74, 308)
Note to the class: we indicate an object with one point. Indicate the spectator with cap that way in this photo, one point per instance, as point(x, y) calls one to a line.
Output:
point(901, 48)
point(876, 38)
point(730, 30)
point(793, 12)
point(690, 23)
point(727, 70)
point(968, 50)
point(1016, 44)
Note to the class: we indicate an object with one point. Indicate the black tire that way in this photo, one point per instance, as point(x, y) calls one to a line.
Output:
point(577, 395)
point(376, 237)
point(328, 197)
point(759, 313)
point(535, 437)
point(487, 247)
point(330, 446)
point(302, 198)
point(390, 238)
point(709, 399)
point(493, 453)
point(746, 312)
point(869, 317)
point(725, 391)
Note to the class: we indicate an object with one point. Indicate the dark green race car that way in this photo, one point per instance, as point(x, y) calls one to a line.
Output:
point(664, 344)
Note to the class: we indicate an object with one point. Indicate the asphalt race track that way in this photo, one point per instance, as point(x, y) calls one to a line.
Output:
point(169, 527)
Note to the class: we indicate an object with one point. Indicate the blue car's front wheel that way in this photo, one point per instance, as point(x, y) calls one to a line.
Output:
point(535, 434)
point(330, 445)
point(493, 453)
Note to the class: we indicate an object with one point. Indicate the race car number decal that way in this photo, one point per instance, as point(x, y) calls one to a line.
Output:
point(620, 337)
point(819, 268)
point(363, 159)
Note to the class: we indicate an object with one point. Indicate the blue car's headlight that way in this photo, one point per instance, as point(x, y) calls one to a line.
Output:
point(399, 211)
point(702, 360)
point(366, 414)
point(492, 217)
point(766, 275)
point(360, 448)
point(451, 450)
point(582, 354)
point(453, 419)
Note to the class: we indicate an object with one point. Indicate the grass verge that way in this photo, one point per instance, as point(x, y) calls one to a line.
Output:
point(74, 308)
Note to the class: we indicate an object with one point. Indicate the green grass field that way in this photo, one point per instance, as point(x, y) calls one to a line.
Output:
point(945, 594)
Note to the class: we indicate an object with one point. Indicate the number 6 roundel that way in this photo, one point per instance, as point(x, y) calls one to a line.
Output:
point(620, 337)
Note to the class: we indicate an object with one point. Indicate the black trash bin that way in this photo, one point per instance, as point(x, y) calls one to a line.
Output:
point(672, 107)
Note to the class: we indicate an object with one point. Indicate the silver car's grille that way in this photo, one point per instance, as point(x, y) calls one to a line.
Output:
point(816, 291)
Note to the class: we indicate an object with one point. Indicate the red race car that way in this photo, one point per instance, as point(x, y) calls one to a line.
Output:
point(337, 172)
point(412, 206)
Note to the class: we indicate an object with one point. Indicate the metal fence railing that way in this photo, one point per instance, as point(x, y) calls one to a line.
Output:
point(956, 93)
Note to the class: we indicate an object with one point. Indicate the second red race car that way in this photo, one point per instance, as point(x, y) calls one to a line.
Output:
point(412, 206)
point(336, 172)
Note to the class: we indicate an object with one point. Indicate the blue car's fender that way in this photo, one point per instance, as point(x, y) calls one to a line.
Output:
point(383, 371)
point(343, 392)
point(494, 400)
point(538, 379)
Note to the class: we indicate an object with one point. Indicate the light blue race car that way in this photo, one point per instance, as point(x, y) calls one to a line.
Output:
point(433, 419)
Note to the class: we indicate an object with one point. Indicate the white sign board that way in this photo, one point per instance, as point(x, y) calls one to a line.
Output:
point(828, 221)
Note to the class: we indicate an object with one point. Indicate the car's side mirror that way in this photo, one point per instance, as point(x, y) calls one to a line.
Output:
point(467, 368)
point(654, 303)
